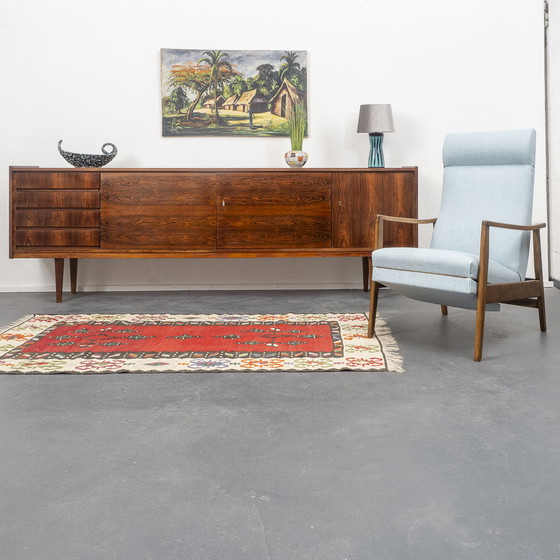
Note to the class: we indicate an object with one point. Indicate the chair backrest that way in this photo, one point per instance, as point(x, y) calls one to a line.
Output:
point(487, 176)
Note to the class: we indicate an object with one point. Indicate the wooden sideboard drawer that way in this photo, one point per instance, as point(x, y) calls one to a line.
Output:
point(57, 238)
point(49, 218)
point(56, 199)
point(56, 180)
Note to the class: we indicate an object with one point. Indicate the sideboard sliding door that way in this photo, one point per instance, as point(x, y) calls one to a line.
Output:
point(158, 211)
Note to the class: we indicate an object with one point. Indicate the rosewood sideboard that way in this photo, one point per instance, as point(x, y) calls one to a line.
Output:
point(80, 213)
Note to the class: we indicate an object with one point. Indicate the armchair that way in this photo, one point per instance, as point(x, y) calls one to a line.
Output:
point(479, 250)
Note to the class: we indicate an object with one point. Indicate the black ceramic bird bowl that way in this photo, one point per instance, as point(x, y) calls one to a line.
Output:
point(89, 160)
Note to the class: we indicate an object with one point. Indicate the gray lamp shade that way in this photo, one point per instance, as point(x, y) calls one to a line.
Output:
point(376, 118)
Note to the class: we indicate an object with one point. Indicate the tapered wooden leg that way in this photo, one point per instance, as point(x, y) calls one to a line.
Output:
point(73, 275)
point(537, 259)
point(373, 297)
point(366, 272)
point(481, 296)
point(444, 309)
point(479, 333)
point(542, 313)
point(58, 276)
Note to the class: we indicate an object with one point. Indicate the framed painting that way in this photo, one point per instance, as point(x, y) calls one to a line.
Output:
point(231, 93)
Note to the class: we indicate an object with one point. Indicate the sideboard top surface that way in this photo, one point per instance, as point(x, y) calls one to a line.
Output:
point(215, 169)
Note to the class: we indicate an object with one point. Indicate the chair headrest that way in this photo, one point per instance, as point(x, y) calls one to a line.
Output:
point(499, 147)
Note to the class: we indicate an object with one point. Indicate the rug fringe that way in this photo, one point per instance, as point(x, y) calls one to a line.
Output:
point(389, 346)
point(16, 323)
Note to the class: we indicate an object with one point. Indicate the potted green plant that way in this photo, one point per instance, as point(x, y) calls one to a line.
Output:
point(297, 124)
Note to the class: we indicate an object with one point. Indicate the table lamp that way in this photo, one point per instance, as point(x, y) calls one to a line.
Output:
point(375, 119)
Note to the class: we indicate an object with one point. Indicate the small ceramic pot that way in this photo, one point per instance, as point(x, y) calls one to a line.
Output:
point(296, 158)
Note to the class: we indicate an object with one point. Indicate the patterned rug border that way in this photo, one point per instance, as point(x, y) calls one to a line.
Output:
point(378, 354)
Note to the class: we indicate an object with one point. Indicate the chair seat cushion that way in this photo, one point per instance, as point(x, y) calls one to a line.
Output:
point(440, 262)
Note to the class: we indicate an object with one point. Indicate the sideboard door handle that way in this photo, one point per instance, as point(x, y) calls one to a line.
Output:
point(223, 202)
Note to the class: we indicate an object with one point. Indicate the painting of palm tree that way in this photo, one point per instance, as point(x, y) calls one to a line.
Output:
point(217, 62)
point(231, 93)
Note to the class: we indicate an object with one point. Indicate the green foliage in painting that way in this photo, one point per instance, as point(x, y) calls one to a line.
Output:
point(178, 100)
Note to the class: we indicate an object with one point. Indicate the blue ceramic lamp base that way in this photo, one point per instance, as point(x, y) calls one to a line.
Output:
point(376, 158)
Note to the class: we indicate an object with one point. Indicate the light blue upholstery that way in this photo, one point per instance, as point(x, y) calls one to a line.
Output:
point(445, 262)
point(487, 176)
point(411, 272)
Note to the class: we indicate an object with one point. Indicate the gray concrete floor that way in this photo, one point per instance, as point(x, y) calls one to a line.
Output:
point(451, 460)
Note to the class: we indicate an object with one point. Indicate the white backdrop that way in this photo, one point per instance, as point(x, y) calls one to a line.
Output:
point(88, 73)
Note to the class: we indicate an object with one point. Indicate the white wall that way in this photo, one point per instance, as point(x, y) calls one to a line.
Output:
point(88, 73)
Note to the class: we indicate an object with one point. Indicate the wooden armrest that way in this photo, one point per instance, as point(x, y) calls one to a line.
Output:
point(378, 241)
point(485, 247)
point(381, 217)
point(530, 227)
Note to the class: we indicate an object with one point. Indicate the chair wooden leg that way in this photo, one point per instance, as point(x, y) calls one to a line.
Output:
point(373, 297)
point(542, 313)
point(479, 333)
point(444, 309)
point(482, 289)
point(537, 259)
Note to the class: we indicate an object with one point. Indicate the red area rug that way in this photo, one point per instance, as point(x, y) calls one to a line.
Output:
point(195, 343)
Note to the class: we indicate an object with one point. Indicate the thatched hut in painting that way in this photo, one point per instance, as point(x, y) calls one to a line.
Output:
point(229, 103)
point(285, 98)
point(209, 103)
point(252, 100)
